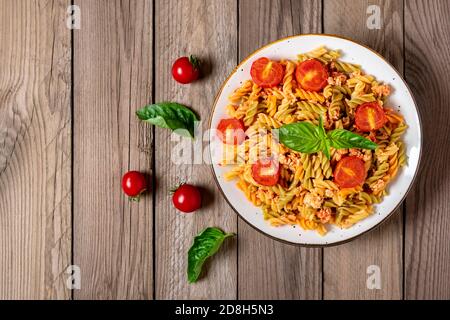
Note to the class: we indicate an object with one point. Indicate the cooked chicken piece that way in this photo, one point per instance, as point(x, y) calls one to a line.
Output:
point(339, 78)
point(356, 153)
point(382, 90)
point(329, 193)
point(378, 186)
point(313, 200)
point(324, 215)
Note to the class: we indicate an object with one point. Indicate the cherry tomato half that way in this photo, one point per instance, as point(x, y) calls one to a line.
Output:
point(311, 75)
point(350, 172)
point(231, 131)
point(266, 172)
point(369, 116)
point(266, 73)
point(187, 198)
point(185, 70)
point(134, 184)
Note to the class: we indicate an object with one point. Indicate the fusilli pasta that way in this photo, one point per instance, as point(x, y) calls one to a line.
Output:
point(306, 193)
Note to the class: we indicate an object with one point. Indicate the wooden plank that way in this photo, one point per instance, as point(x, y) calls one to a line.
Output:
point(269, 269)
point(204, 28)
point(427, 248)
point(113, 78)
point(345, 266)
point(35, 150)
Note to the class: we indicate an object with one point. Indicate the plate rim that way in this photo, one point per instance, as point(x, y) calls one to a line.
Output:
point(388, 216)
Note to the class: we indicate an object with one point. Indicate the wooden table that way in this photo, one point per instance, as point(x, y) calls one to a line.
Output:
point(68, 133)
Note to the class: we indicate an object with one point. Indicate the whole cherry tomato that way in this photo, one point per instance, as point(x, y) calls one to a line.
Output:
point(134, 184)
point(187, 198)
point(185, 70)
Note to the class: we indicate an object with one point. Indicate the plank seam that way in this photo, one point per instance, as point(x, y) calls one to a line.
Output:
point(237, 220)
point(404, 203)
point(72, 125)
point(153, 158)
point(322, 22)
point(322, 29)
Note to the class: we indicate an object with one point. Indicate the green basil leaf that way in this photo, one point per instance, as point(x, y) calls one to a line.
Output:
point(343, 139)
point(301, 137)
point(206, 244)
point(326, 149)
point(325, 143)
point(321, 130)
point(170, 115)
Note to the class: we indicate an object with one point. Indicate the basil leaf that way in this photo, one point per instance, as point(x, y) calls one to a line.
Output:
point(301, 137)
point(321, 130)
point(307, 138)
point(170, 115)
point(206, 244)
point(325, 143)
point(343, 139)
point(326, 149)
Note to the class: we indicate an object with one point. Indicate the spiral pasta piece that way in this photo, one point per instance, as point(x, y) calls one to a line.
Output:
point(398, 132)
point(347, 67)
point(322, 54)
point(360, 99)
point(309, 95)
point(241, 92)
point(288, 81)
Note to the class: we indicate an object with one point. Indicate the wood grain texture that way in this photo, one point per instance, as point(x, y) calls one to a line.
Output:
point(113, 72)
point(269, 269)
point(113, 78)
point(427, 245)
point(207, 29)
point(345, 266)
point(35, 150)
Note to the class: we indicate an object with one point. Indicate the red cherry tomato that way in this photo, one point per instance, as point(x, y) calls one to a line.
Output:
point(311, 75)
point(266, 172)
point(231, 131)
point(266, 73)
point(187, 198)
point(134, 184)
point(350, 172)
point(369, 116)
point(185, 70)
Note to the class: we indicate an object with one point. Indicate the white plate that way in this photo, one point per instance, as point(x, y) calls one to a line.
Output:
point(372, 63)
